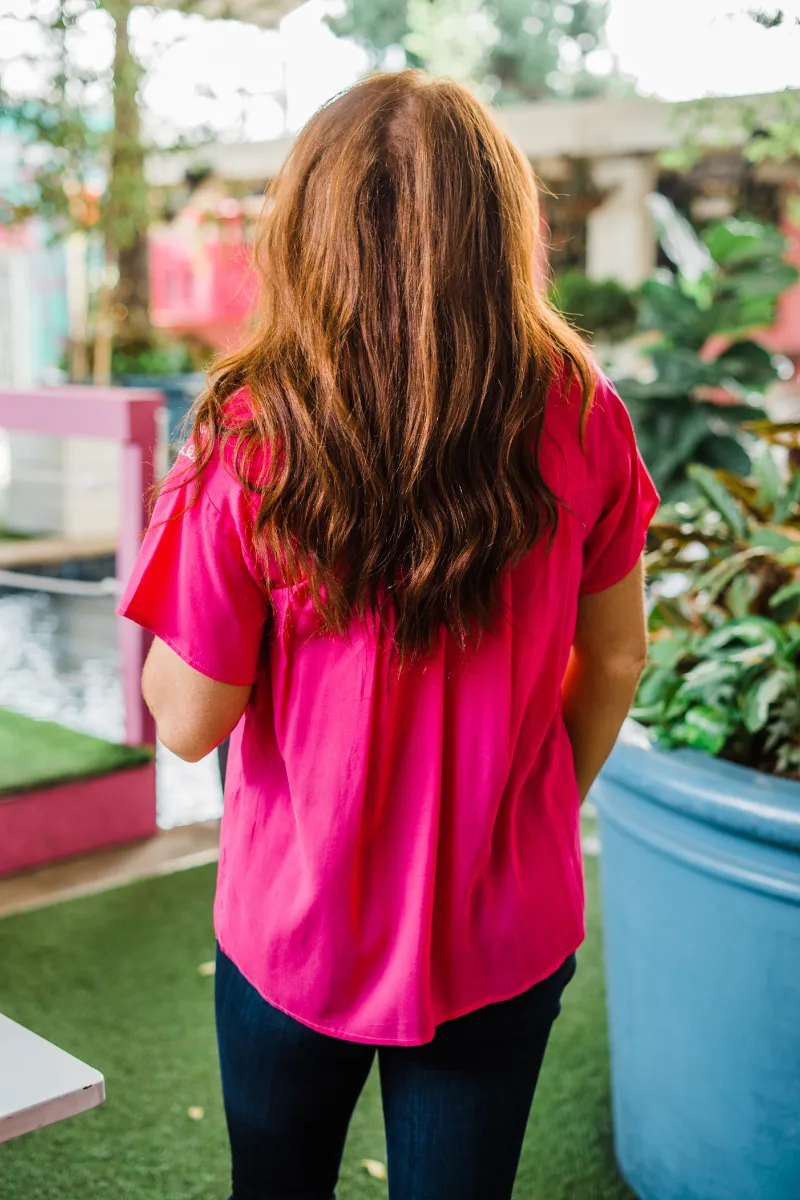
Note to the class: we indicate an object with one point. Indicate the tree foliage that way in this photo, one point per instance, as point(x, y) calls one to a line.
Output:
point(772, 18)
point(511, 50)
point(453, 38)
point(81, 147)
point(82, 150)
point(62, 129)
point(761, 128)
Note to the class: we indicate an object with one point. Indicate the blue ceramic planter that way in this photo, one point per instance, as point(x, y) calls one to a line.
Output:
point(701, 898)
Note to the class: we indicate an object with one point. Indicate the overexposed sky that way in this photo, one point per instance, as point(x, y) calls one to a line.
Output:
point(232, 77)
point(683, 49)
point(304, 58)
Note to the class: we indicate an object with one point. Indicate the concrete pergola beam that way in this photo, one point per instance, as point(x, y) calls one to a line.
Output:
point(549, 131)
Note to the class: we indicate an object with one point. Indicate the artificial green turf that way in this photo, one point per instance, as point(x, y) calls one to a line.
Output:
point(38, 753)
point(114, 979)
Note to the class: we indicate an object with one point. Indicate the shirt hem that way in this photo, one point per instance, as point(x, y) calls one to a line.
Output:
point(127, 613)
point(594, 588)
point(374, 1040)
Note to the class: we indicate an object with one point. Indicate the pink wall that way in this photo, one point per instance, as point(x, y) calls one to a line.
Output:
point(75, 818)
point(785, 333)
point(201, 281)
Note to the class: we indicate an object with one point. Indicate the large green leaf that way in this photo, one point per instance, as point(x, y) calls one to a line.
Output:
point(764, 281)
point(759, 638)
point(635, 391)
point(736, 313)
point(712, 487)
point(656, 685)
point(736, 241)
point(724, 453)
point(789, 501)
point(790, 557)
point(770, 484)
point(764, 537)
point(679, 368)
point(676, 438)
point(665, 307)
point(667, 651)
point(667, 613)
point(745, 362)
point(738, 413)
point(741, 594)
point(788, 760)
point(711, 681)
point(757, 701)
point(793, 641)
point(790, 591)
point(720, 576)
point(682, 246)
point(704, 728)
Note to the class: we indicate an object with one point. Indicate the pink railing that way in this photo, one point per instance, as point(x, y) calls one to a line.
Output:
point(128, 416)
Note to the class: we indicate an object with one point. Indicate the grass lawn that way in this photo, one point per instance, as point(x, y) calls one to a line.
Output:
point(113, 979)
point(37, 753)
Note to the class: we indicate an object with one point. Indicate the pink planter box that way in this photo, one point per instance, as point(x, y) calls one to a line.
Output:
point(66, 819)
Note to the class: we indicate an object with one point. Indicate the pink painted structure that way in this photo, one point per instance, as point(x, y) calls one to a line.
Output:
point(784, 336)
point(201, 280)
point(66, 819)
point(73, 818)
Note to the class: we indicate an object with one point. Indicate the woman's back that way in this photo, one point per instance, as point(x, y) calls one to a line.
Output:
point(399, 846)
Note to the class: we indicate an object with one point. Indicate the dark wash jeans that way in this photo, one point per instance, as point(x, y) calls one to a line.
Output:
point(455, 1109)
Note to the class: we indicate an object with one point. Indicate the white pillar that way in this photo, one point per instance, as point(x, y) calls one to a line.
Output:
point(67, 487)
point(620, 242)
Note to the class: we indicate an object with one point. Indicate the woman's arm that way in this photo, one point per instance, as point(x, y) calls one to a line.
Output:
point(608, 656)
point(192, 712)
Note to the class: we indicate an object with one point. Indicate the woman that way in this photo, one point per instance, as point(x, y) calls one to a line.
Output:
point(400, 560)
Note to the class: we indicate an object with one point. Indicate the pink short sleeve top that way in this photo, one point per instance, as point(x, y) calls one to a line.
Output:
point(396, 851)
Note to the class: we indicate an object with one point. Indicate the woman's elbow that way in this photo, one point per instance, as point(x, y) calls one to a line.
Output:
point(628, 664)
point(188, 744)
point(622, 665)
point(192, 712)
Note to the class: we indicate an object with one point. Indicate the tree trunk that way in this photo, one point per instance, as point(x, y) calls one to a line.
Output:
point(126, 217)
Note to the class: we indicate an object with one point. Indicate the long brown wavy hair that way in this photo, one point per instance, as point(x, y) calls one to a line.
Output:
point(401, 364)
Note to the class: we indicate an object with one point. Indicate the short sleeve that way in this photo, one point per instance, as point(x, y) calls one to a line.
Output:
point(615, 543)
point(195, 584)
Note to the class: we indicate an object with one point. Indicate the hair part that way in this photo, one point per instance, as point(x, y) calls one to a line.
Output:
point(401, 364)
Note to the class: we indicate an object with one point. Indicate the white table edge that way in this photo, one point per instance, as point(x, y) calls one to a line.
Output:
point(48, 1112)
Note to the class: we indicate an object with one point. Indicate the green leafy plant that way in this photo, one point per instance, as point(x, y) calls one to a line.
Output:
point(705, 372)
point(760, 128)
point(161, 357)
point(723, 674)
point(604, 308)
